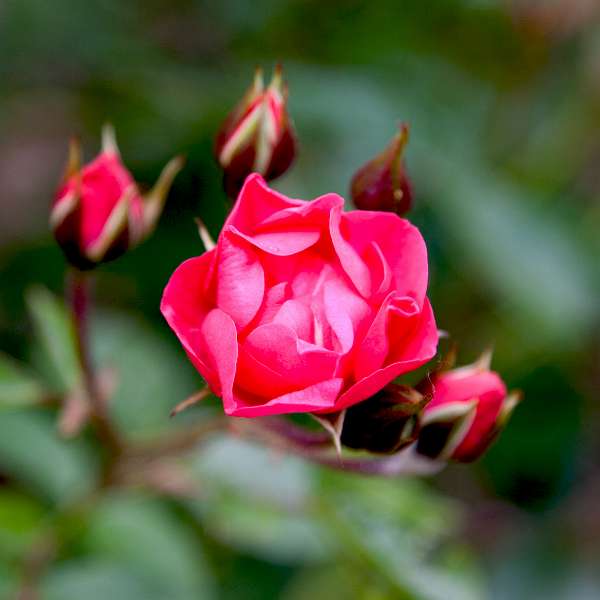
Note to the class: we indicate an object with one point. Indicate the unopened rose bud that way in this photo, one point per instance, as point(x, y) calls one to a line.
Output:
point(99, 212)
point(257, 136)
point(386, 422)
point(468, 408)
point(382, 183)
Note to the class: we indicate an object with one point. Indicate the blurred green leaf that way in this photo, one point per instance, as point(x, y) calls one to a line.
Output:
point(256, 472)
point(97, 580)
point(279, 536)
point(151, 376)
point(20, 518)
point(55, 342)
point(405, 503)
point(389, 528)
point(334, 581)
point(261, 503)
point(533, 261)
point(17, 386)
point(393, 556)
point(32, 453)
point(8, 581)
point(141, 533)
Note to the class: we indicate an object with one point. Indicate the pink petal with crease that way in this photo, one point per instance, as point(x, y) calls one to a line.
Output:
point(423, 347)
point(240, 280)
point(349, 258)
point(299, 363)
point(219, 348)
point(400, 242)
point(185, 304)
point(281, 243)
point(255, 203)
point(314, 398)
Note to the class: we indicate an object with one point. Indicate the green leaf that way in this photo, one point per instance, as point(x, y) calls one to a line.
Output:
point(32, 453)
point(97, 580)
point(9, 581)
point(260, 503)
point(17, 386)
point(151, 375)
point(406, 503)
point(393, 556)
point(537, 268)
point(20, 518)
point(143, 534)
point(55, 338)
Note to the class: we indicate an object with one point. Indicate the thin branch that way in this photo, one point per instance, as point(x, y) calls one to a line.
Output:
point(296, 434)
point(180, 441)
point(79, 298)
point(405, 462)
point(191, 400)
point(41, 554)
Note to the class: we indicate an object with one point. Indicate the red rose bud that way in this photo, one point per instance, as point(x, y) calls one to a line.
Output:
point(99, 212)
point(468, 408)
point(257, 136)
point(382, 183)
point(386, 422)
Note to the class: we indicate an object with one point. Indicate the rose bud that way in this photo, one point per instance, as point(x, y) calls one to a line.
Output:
point(468, 408)
point(257, 136)
point(385, 422)
point(301, 306)
point(99, 212)
point(382, 183)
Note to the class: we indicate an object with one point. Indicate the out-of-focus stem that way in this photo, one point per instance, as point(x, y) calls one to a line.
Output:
point(40, 555)
point(299, 435)
point(405, 462)
point(79, 297)
point(180, 441)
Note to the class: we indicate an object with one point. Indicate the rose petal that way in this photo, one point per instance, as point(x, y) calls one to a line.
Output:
point(423, 347)
point(103, 183)
point(460, 385)
point(277, 347)
point(349, 258)
point(380, 269)
point(185, 304)
point(375, 346)
point(274, 298)
point(345, 312)
point(255, 203)
point(313, 214)
point(283, 243)
point(297, 316)
point(400, 242)
point(218, 348)
point(240, 280)
point(313, 398)
point(413, 338)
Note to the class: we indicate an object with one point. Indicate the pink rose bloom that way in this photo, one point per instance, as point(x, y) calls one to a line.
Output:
point(302, 307)
point(473, 395)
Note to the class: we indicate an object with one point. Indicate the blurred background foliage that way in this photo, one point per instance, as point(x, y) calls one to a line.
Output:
point(503, 99)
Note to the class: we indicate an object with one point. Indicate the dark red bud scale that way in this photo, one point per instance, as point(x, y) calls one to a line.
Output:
point(386, 422)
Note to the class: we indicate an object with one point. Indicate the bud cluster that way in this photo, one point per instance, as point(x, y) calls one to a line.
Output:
point(99, 212)
point(454, 415)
